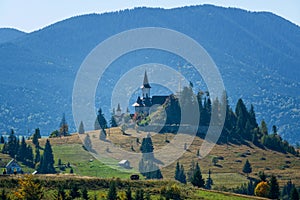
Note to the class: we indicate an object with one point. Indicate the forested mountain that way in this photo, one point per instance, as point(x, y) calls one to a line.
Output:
point(257, 54)
point(8, 34)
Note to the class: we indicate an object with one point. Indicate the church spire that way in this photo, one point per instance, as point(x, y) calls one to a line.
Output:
point(146, 82)
point(146, 87)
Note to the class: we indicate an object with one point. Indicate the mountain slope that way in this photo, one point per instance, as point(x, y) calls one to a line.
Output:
point(259, 51)
point(8, 34)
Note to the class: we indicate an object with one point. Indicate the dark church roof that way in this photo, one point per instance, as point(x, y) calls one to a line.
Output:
point(159, 100)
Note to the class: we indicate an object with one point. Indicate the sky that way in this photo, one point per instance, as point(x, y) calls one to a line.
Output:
point(31, 15)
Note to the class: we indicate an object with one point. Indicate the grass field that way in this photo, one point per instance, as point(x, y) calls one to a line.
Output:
point(226, 173)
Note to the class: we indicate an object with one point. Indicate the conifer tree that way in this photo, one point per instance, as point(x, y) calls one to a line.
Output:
point(100, 122)
point(2, 141)
point(84, 194)
point(197, 179)
point(36, 136)
point(74, 193)
point(128, 193)
point(12, 145)
point(113, 122)
point(21, 156)
point(177, 172)
point(247, 168)
point(47, 161)
point(182, 175)
point(294, 194)
point(274, 188)
point(112, 192)
point(64, 127)
point(209, 181)
point(81, 128)
point(147, 148)
point(37, 158)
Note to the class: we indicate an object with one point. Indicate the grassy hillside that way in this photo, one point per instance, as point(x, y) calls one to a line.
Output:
point(226, 173)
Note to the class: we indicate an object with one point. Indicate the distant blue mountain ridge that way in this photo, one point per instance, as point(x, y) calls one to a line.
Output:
point(257, 54)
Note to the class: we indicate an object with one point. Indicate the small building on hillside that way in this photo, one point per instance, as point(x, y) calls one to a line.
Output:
point(124, 163)
point(13, 167)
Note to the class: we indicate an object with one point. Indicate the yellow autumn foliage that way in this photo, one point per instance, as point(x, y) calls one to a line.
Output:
point(28, 189)
point(262, 189)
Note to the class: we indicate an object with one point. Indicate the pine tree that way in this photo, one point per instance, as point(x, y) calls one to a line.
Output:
point(74, 193)
point(197, 179)
point(182, 175)
point(139, 194)
point(2, 141)
point(81, 128)
point(287, 188)
point(12, 144)
point(21, 156)
point(274, 188)
point(262, 176)
point(264, 128)
point(294, 194)
point(47, 161)
point(3, 195)
point(247, 168)
point(84, 194)
point(100, 121)
point(61, 194)
point(64, 127)
point(112, 193)
point(128, 193)
point(177, 172)
point(147, 148)
point(37, 158)
point(36, 136)
point(209, 181)
point(113, 122)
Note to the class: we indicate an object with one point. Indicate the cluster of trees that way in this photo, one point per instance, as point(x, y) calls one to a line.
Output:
point(268, 188)
point(23, 152)
point(147, 166)
point(194, 176)
point(140, 194)
point(18, 150)
point(240, 125)
point(63, 129)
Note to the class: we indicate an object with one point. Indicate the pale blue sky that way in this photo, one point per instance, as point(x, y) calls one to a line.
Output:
point(30, 15)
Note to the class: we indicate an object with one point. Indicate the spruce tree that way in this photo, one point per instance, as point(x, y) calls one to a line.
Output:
point(2, 141)
point(37, 158)
point(274, 188)
point(21, 156)
point(294, 194)
point(113, 122)
point(36, 136)
point(81, 128)
point(47, 163)
point(84, 194)
point(247, 168)
point(177, 172)
point(112, 193)
point(182, 176)
point(147, 148)
point(128, 193)
point(100, 121)
point(209, 181)
point(197, 179)
point(64, 127)
point(12, 144)
point(74, 193)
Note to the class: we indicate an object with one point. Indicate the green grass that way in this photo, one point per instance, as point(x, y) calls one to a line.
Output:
point(213, 195)
point(84, 164)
